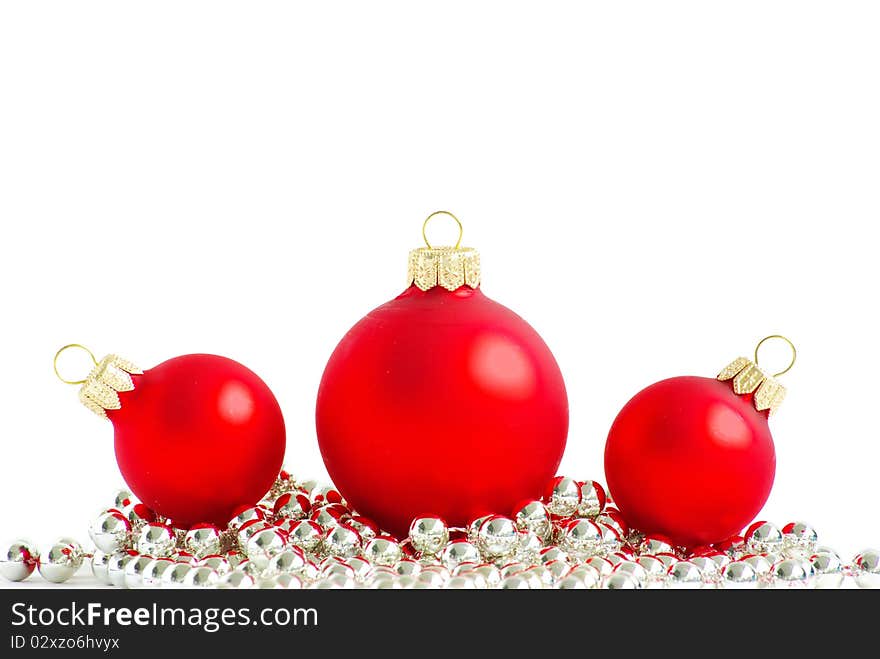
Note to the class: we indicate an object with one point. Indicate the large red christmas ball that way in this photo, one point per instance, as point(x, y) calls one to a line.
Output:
point(198, 436)
point(690, 459)
point(441, 402)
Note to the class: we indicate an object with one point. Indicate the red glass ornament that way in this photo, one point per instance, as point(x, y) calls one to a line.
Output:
point(690, 459)
point(197, 437)
point(441, 402)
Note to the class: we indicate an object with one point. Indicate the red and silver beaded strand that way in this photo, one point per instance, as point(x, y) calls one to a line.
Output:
point(304, 535)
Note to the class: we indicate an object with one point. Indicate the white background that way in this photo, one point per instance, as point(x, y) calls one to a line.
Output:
point(654, 186)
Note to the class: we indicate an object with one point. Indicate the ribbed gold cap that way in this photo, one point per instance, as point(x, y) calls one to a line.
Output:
point(748, 378)
point(100, 388)
point(450, 267)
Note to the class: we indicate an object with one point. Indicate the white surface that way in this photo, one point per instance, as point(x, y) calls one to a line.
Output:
point(654, 186)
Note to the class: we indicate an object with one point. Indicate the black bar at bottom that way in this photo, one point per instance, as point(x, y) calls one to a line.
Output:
point(345, 623)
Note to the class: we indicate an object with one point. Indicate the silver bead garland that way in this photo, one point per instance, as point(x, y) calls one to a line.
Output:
point(304, 535)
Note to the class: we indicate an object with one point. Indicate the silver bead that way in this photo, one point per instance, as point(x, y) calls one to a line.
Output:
point(828, 570)
point(459, 551)
point(380, 581)
point(586, 574)
point(76, 550)
point(201, 577)
point(792, 572)
point(564, 496)
point(247, 530)
point(498, 536)
point(324, 494)
point(603, 566)
point(264, 544)
point(310, 571)
point(99, 564)
point(533, 516)
point(282, 581)
point(234, 558)
point(592, 499)
point(570, 583)
point(510, 569)
point(515, 582)
point(554, 553)
point(461, 583)
point(383, 550)
point(365, 527)
point(612, 522)
point(534, 578)
point(432, 579)
point(486, 572)
point(202, 540)
point(407, 568)
point(866, 568)
point(288, 561)
point(155, 540)
point(326, 517)
point(116, 567)
point(720, 560)
point(152, 573)
point(342, 541)
point(653, 566)
point(245, 515)
point(218, 563)
point(123, 499)
point(558, 569)
point(330, 569)
point(182, 557)
point(138, 514)
point(620, 581)
point(707, 566)
point(19, 560)
point(110, 531)
point(763, 538)
point(58, 563)
point(307, 535)
point(635, 571)
point(611, 540)
point(582, 536)
point(361, 568)
point(292, 505)
point(134, 571)
point(544, 576)
point(739, 574)
point(473, 531)
point(799, 537)
point(428, 534)
point(760, 564)
point(236, 580)
point(528, 548)
point(175, 576)
point(684, 574)
point(653, 545)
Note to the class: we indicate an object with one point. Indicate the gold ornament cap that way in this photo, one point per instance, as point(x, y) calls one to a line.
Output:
point(448, 266)
point(101, 387)
point(748, 378)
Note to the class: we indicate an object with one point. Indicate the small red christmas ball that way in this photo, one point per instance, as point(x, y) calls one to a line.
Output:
point(689, 459)
point(441, 402)
point(197, 437)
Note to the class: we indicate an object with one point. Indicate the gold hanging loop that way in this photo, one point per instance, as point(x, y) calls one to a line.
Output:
point(790, 345)
point(434, 214)
point(68, 347)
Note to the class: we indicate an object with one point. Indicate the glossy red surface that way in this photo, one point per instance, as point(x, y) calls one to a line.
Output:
point(689, 459)
point(199, 436)
point(441, 403)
